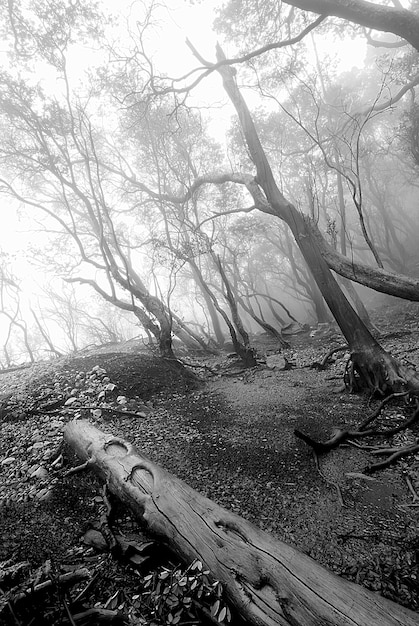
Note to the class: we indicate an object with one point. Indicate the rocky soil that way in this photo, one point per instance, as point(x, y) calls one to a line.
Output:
point(231, 437)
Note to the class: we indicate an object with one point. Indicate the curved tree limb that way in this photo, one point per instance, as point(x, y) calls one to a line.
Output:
point(399, 21)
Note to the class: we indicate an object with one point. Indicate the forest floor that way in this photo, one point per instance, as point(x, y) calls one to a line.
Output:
point(231, 437)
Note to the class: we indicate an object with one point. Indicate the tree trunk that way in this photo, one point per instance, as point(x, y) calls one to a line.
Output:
point(244, 350)
point(357, 302)
point(371, 364)
point(308, 284)
point(268, 328)
point(345, 282)
point(321, 311)
point(278, 318)
point(266, 581)
point(215, 321)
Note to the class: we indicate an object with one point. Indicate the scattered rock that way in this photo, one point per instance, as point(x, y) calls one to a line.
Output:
point(70, 401)
point(8, 460)
point(276, 361)
point(40, 473)
point(43, 495)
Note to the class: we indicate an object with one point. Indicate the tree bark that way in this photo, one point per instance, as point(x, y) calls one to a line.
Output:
point(345, 282)
point(268, 328)
point(215, 321)
point(243, 348)
point(305, 279)
point(400, 22)
point(376, 278)
point(267, 582)
point(372, 366)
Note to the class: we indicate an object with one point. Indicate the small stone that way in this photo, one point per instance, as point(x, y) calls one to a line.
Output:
point(43, 495)
point(70, 401)
point(8, 460)
point(39, 444)
point(276, 361)
point(95, 539)
point(40, 473)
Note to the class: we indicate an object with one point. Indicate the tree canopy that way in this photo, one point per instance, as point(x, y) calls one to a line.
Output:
point(165, 204)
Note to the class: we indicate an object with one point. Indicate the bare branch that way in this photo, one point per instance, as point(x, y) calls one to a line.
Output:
point(208, 67)
point(375, 108)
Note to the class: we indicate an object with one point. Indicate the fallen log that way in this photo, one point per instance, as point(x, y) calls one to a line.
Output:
point(269, 583)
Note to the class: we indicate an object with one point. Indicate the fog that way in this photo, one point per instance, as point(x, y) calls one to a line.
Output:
point(130, 175)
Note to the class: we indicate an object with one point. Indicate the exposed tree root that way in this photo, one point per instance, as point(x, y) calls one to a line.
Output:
point(341, 436)
point(329, 482)
point(392, 457)
point(378, 371)
point(178, 366)
point(382, 404)
point(322, 447)
point(323, 363)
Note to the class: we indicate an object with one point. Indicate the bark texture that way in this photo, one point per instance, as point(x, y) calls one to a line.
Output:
point(400, 22)
point(376, 278)
point(268, 582)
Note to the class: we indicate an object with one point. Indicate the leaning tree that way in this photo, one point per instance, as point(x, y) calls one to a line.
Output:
point(370, 365)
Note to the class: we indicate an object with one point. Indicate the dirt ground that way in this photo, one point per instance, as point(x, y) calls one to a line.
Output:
point(231, 437)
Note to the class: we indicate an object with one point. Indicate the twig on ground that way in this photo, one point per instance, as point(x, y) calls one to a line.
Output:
point(78, 468)
point(330, 482)
point(380, 407)
point(67, 610)
point(415, 496)
point(393, 457)
point(68, 579)
point(86, 588)
point(99, 616)
point(197, 366)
